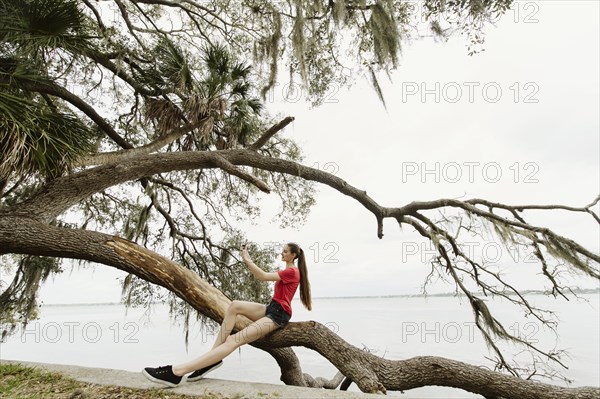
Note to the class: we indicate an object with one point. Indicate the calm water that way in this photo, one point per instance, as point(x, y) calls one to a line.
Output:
point(395, 328)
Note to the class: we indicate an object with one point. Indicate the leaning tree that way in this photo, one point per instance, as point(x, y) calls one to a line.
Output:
point(133, 135)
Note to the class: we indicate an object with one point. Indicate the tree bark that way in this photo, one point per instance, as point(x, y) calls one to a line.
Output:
point(372, 374)
point(21, 235)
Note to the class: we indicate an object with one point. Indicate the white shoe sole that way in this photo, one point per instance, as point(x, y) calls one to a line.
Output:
point(202, 376)
point(158, 381)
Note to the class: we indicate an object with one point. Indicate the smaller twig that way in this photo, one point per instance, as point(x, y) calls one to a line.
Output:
point(230, 168)
point(262, 140)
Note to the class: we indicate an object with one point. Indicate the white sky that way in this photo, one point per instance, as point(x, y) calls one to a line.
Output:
point(547, 50)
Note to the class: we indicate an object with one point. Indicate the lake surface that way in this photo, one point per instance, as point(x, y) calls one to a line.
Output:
point(109, 336)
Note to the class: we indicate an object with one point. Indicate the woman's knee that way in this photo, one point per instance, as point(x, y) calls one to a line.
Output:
point(234, 308)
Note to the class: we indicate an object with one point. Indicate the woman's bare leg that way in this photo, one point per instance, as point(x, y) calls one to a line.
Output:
point(251, 310)
point(254, 331)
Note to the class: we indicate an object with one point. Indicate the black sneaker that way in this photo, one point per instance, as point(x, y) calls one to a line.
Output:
point(199, 374)
point(162, 375)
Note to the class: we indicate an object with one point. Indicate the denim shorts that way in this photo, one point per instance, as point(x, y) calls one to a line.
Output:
point(276, 313)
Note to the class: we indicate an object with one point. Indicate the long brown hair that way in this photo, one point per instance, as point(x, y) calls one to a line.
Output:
point(304, 283)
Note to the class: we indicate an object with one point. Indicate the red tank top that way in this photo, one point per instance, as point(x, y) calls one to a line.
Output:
point(286, 287)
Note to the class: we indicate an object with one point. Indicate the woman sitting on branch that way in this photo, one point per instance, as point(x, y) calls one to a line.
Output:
point(266, 318)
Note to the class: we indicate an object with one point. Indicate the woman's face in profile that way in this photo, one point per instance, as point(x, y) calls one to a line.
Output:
point(286, 254)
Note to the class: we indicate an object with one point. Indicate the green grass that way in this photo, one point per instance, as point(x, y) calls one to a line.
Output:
point(20, 382)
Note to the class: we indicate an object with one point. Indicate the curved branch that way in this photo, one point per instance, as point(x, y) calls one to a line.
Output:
point(120, 156)
point(223, 163)
point(67, 191)
point(96, 15)
point(97, 179)
point(371, 373)
point(36, 238)
point(520, 208)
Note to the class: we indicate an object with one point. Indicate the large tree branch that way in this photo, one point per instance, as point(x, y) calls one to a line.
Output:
point(67, 191)
point(371, 373)
point(64, 192)
point(36, 238)
point(120, 156)
point(58, 196)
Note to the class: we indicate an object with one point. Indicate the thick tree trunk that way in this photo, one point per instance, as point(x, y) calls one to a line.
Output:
point(371, 373)
point(28, 236)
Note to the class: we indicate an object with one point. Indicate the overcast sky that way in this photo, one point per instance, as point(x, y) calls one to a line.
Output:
point(518, 123)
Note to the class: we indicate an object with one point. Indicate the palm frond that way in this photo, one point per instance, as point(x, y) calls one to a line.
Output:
point(216, 60)
point(34, 139)
point(240, 71)
point(240, 88)
point(164, 113)
point(43, 24)
point(172, 64)
point(213, 86)
point(255, 105)
point(17, 70)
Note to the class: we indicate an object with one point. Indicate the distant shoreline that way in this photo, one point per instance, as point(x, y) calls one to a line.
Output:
point(583, 291)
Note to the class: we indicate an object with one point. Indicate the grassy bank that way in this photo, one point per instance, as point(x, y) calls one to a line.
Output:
point(21, 382)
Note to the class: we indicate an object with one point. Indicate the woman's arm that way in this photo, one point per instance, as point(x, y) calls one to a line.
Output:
point(257, 271)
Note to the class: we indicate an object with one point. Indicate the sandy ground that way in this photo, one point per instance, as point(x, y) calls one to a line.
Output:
point(223, 388)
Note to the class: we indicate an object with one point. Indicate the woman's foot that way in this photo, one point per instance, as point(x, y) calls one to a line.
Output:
point(199, 374)
point(162, 375)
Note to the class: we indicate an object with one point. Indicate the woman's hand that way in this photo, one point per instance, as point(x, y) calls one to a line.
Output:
point(244, 253)
point(256, 271)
